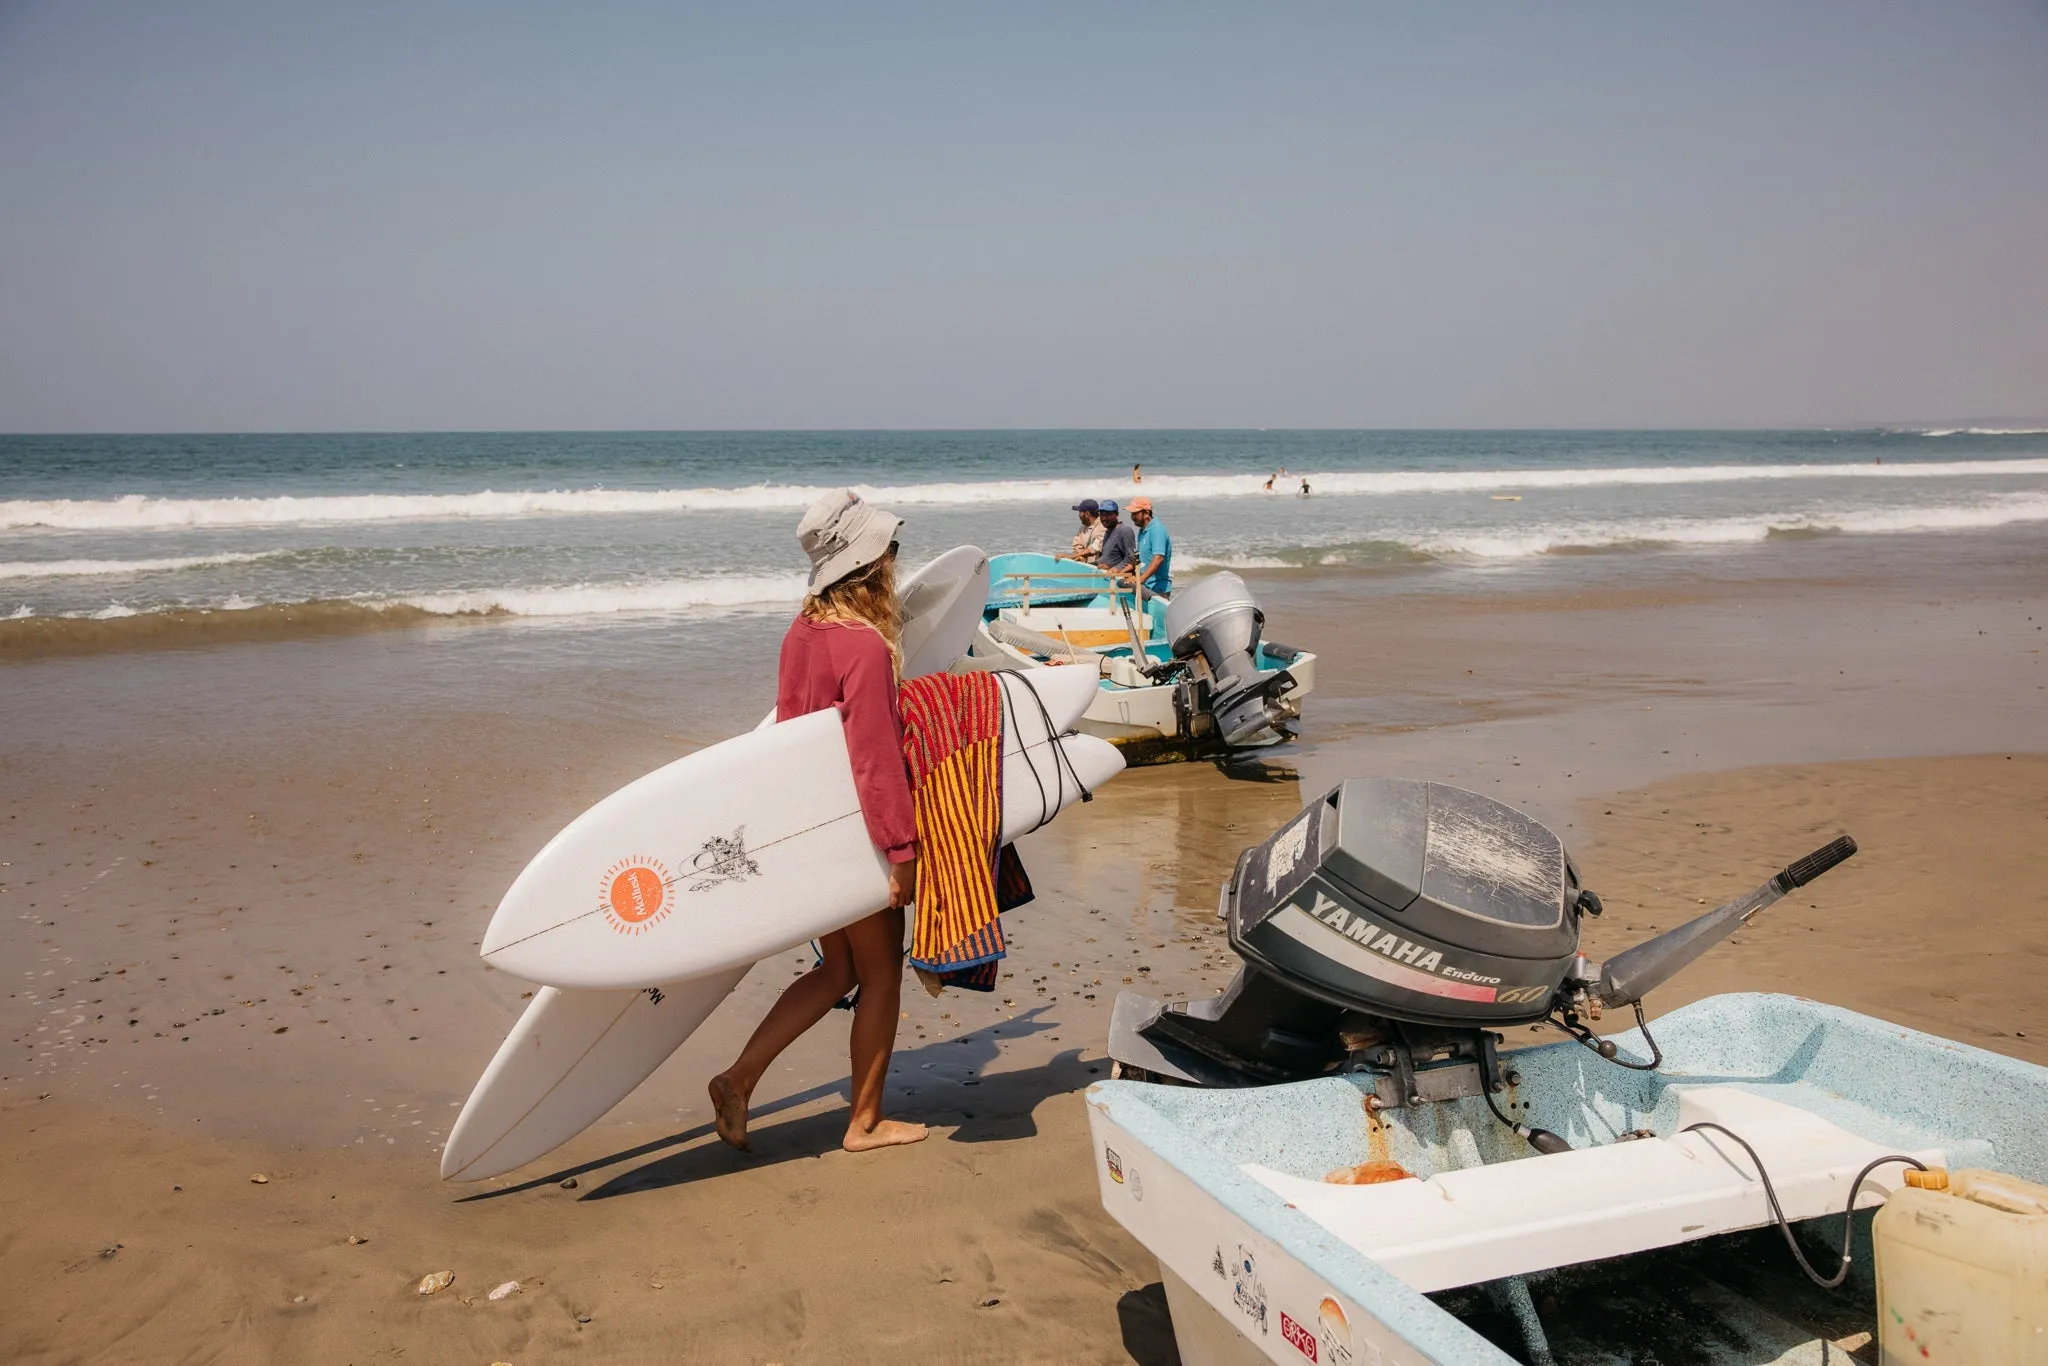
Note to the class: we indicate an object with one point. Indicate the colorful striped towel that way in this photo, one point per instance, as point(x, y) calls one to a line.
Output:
point(953, 742)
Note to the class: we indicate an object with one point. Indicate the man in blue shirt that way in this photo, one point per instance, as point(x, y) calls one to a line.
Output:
point(1155, 548)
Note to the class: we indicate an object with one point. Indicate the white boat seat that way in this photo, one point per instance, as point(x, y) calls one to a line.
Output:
point(1508, 1218)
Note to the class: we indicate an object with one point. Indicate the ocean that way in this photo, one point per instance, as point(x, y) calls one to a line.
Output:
point(596, 530)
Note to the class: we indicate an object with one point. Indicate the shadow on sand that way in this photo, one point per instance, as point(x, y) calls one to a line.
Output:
point(939, 1083)
point(1148, 1326)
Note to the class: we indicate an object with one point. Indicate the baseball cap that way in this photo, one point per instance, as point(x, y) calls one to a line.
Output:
point(1106, 505)
point(1141, 504)
point(1087, 505)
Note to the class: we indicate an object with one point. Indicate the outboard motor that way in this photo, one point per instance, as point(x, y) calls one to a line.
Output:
point(1389, 929)
point(1218, 620)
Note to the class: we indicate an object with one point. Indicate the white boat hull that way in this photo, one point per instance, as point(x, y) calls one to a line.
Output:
point(1226, 1188)
point(1121, 715)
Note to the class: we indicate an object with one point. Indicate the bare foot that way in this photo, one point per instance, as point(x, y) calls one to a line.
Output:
point(730, 1108)
point(887, 1133)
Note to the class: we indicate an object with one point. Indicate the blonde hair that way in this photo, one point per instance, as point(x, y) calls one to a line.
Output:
point(867, 596)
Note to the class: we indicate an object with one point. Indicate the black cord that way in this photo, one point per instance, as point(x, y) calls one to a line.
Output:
point(1656, 1055)
point(1778, 1212)
point(1062, 764)
point(1496, 1110)
point(1571, 1026)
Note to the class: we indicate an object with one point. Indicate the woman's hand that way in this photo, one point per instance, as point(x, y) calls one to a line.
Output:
point(903, 883)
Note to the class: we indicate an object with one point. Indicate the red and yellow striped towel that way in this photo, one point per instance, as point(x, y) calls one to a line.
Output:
point(953, 742)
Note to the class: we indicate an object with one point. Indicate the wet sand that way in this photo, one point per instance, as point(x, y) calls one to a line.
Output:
point(285, 900)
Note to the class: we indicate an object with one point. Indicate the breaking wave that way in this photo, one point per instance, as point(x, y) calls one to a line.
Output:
point(615, 599)
point(118, 626)
point(63, 569)
point(1580, 538)
point(140, 512)
point(1986, 431)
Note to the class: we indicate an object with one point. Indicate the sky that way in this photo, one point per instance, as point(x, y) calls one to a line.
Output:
point(224, 216)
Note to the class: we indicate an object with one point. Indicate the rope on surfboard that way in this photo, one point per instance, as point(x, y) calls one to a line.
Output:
point(1063, 765)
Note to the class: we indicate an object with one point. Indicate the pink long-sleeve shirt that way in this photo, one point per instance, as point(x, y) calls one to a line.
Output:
point(846, 665)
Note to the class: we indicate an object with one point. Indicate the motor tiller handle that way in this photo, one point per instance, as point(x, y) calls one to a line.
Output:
point(1629, 975)
point(1803, 871)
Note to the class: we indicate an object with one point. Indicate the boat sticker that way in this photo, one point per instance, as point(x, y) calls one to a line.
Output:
point(1298, 1337)
point(635, 894)
point(1247, 1291)
point(1288, 847)
point(1115, 1165)
point(1333, 1333)
point(654, 996)
point(723, 859)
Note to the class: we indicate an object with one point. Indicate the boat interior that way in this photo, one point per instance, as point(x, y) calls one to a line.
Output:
point(1651, 1239)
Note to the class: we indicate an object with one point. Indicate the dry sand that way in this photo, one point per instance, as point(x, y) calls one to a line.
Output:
point(285, 867)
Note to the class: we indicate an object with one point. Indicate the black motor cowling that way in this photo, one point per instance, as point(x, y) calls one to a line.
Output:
point(1388, 928)
point(1411, 900)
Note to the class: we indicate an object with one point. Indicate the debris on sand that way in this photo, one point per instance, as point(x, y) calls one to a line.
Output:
point(259, 1179)
point(509, 1288)
point(434, 1281)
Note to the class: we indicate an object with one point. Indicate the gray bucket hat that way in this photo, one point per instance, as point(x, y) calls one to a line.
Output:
point(843, 534)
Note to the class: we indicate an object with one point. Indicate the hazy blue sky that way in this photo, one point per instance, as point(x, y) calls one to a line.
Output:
point(414, 215)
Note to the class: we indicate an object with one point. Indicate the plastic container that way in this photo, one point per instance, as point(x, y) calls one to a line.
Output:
point(1962, 1272)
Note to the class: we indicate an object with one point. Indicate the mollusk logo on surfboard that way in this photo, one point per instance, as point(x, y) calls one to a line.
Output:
point(635, 894)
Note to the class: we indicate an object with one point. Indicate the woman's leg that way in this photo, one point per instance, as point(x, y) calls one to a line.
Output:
point(877, 944)
point(802, 1004)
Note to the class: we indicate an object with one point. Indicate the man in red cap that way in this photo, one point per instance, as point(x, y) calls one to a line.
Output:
point(1154, 549)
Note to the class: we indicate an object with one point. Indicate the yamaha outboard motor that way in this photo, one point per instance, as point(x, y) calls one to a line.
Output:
point(1218, 620)
point(1386, 928)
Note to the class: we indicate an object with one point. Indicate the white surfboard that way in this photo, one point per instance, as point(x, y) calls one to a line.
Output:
point(735, 852)
point(941, 602)
point(576, 1054)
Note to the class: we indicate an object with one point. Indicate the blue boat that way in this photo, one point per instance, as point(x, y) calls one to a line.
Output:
point(1228, 689)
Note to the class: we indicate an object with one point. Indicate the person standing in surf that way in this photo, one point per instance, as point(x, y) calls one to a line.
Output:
point(843, 650)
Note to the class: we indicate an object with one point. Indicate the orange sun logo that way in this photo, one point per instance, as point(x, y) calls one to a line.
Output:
point(635, 894)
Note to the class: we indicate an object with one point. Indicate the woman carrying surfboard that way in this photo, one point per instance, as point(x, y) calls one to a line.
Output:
point(843, 651)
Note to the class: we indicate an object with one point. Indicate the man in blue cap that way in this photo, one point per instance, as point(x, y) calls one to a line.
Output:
point(1088, 540)
point(1119, 541)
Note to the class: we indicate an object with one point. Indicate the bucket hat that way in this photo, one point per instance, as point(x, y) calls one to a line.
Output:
point(842, 534)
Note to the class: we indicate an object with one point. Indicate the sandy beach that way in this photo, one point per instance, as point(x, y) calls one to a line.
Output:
point(242, 937)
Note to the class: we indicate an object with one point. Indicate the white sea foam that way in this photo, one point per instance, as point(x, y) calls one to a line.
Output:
point(711, 593)
point(137, 512)
point(1549, 538)
point(723, 592)
point(1986, 431)
point(60, 569)
point(1398, 545)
